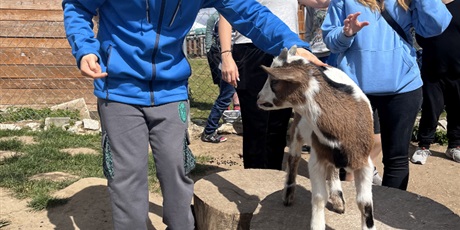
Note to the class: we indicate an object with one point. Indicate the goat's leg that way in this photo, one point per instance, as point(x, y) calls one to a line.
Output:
point(295, 148)
point(363, 183)
point(318, 175)
point(335, 189)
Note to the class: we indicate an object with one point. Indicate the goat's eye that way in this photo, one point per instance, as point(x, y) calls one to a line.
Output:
point(273, 83)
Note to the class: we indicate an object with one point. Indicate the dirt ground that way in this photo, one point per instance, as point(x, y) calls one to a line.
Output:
point(89, 206)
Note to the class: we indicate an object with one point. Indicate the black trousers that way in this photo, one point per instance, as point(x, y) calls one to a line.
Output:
point(214, 59)
point(397, 114)
point(264, 132)
point(439, 92)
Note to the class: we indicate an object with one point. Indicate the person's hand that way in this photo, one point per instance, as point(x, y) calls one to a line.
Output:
point(352, 25)
point(310, 57)
point(229, 69)
point(89, 67)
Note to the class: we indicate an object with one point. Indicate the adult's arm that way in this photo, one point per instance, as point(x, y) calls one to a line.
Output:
point(315, 3)
point(266, 30)
point(229, 68)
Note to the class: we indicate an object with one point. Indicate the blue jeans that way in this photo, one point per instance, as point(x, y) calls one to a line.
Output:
point(222, 102)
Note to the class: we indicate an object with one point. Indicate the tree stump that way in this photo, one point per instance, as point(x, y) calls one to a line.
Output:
point(251, 199)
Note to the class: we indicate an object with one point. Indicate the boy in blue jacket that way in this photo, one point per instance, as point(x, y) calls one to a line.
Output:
point(372, 53)
point(141, 78)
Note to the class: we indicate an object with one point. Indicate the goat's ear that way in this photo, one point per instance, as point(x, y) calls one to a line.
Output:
point(284, 74)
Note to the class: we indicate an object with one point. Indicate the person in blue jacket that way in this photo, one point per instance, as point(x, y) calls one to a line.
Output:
point(372, 53)
point(140, 80)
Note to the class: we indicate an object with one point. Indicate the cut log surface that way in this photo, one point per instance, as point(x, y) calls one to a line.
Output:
point(251, 199)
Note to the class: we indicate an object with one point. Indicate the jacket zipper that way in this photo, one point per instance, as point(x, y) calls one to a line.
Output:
point(175, 13)
point(147, 11)
point(155, 50)
point(109, 54)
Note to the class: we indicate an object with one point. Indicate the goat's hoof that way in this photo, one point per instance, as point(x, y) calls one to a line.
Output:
point(288, 195)
point(337, 201)
point(339, 210)
point(288, 201)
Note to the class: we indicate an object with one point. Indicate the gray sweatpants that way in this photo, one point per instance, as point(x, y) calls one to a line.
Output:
point(127, 132)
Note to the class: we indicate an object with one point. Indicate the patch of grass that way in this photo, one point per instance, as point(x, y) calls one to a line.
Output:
point(46, 157)
point(11, 145)
point(440, 136)
point(14, 114)
point(11, 133)
point(203, 92)
point(43, 201)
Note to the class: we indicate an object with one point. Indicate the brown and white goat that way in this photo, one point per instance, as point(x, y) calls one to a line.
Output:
point(334, 117)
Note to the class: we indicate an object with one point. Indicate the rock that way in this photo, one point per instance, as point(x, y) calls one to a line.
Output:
point(91, 124)
point(77, 104)
point(8, 154)
point(75, 151)
point(56, 121)
point(54, 176)
point(9, 127)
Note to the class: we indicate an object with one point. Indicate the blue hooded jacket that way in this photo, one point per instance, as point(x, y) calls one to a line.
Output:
point(139, 42)
point(377, 58)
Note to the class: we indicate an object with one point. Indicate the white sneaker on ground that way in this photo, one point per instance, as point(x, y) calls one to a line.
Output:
point(454, 153)
point(420, 156)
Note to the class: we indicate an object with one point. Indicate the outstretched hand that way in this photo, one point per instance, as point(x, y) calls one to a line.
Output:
point(352, 25)
point(89, 67)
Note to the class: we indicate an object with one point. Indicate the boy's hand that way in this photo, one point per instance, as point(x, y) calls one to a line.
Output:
point(89, 67)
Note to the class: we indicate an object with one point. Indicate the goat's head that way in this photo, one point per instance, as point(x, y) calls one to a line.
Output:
point(287, 82)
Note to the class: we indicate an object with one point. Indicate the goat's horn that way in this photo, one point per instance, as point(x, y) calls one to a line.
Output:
point(283, 55)
point(293, 50)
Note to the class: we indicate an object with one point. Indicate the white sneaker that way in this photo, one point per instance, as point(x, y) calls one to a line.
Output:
point(420, 156)
point(230, 116)
point(454, 153)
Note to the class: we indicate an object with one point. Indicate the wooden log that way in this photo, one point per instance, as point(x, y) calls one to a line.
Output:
point(32, 29)
point(38, 72)
point(55, 43)
point(47, 83)
point(37, 56)
point(251, 199)
point(30, 15)
point(32, 4)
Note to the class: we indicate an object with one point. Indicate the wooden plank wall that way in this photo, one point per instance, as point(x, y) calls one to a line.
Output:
point(36, 66)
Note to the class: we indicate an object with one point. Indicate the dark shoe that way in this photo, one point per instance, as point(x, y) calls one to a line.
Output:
point(213, 138)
